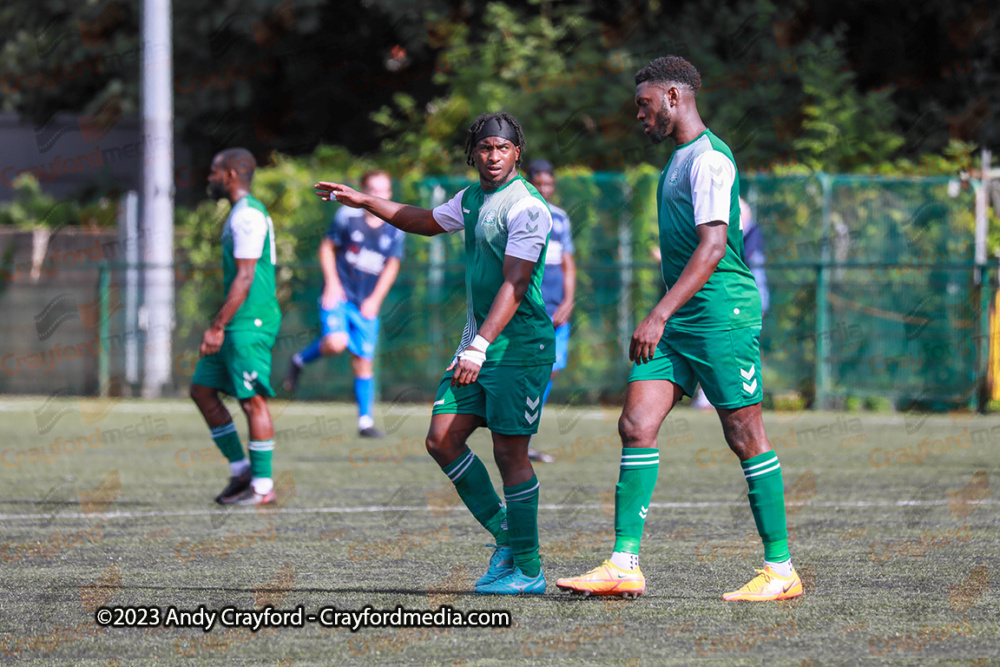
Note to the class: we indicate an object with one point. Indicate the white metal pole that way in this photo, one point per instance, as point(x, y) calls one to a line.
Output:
point(158, 192)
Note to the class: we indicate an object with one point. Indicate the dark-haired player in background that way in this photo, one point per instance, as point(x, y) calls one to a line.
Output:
point(236, 349)
point(559, 281)
point(706, 329)
point(360, 258)
point(505, 358)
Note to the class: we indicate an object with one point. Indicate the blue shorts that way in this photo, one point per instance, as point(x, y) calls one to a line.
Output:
point(562, 347)
point(362, 333)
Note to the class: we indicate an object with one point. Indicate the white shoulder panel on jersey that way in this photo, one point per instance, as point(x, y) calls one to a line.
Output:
point(712, 178)
point(249, 229)
point(528, 225)
point(449, 214)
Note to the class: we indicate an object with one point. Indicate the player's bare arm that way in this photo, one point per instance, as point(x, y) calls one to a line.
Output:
point(516, 279)
point(412, 219)
point(369, 307)
point(710, 251)
point(565, 309)
point(211, 342)
point(333, 291)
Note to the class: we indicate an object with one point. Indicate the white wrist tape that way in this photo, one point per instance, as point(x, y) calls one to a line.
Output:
point(476, 356)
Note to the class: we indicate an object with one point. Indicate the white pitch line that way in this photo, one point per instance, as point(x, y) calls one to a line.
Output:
point(424, 508)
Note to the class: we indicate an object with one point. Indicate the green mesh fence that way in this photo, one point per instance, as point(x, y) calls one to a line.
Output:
point(873, 293)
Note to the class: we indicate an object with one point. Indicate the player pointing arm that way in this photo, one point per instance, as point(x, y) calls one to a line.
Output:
point(505, 356)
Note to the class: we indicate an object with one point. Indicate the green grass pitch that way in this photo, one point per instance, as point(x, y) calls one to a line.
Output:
point(894, 521)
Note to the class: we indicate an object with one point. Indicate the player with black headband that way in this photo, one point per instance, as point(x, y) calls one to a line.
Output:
point(503, 363)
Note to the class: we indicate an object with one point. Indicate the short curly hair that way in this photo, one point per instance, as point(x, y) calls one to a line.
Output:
point(670, 69)
point(470, 139)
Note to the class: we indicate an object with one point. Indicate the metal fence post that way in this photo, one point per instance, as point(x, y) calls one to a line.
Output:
point(104, 329)
point(822, 373)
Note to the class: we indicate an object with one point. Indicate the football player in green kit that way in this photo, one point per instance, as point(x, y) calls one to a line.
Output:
point(236, 348)
point(504, 360)
point(706, 329)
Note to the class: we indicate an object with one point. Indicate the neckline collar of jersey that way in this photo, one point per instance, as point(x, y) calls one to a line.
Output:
point(517, 176)
point(700, 135)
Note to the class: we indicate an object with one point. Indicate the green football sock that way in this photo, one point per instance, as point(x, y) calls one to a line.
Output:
point(228, 441)
point(636, 481)
point(522, 515)
point(260, 458)
point(474, 487)
point(767, 502)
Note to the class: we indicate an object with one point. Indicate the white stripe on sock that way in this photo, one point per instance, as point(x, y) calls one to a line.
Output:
point(463, 466)
point(521, 495)
point(223, 430)
point(765, 463)
point(261, 445)
point(776, 466)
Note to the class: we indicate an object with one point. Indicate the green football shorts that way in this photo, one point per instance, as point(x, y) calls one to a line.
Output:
point(241, 367)
point(726, 363)
point(509, 398)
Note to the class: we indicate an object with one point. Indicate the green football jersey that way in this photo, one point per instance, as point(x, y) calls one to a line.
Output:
point(701, 184)
point(249, 234)
point(511, 220)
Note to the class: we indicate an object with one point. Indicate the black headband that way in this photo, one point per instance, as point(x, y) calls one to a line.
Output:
point(497, 127)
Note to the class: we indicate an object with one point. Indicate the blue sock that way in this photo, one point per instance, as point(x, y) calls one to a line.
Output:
point(545, 396)
point(310, 354)
point(364, 393)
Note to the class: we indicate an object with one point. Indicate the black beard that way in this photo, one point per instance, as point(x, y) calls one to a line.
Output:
point(500, 180)
point(217, 191)
point(658, 130)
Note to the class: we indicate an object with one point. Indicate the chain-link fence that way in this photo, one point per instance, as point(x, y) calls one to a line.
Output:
point(874, 294)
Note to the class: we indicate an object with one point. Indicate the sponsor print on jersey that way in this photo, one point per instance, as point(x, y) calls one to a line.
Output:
point(365, 260)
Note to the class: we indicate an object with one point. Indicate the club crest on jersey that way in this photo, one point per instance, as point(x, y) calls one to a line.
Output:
point(674, 175)
point(357, 236)
point(490, 219)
